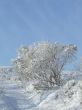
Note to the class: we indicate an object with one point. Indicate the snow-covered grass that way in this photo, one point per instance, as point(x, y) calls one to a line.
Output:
point(68, 97)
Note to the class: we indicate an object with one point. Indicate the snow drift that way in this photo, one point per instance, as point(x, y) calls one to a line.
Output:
point(68, 97)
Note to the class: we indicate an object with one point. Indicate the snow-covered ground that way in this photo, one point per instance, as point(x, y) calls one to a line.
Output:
point(68, 97)
point(13, 96)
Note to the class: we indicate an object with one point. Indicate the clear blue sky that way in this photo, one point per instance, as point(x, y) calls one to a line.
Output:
point(26, 21)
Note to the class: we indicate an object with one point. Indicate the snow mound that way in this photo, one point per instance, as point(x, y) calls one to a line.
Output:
point(68, 97)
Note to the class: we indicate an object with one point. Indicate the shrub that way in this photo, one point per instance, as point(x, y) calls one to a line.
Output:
point(42, 63)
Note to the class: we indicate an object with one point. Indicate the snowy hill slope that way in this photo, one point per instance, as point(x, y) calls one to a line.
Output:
point(69, 97)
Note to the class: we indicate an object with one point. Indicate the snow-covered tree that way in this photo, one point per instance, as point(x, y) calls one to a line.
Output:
point(42, 63)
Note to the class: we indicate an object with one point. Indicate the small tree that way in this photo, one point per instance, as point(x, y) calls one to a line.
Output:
point(42, 63)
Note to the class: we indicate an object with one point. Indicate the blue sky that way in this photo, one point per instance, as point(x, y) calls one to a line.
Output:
point(26, 21)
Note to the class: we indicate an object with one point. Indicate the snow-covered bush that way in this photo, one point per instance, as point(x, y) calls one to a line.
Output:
point(42, 63)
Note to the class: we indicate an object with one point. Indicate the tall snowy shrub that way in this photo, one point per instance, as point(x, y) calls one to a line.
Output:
point(42, 63)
